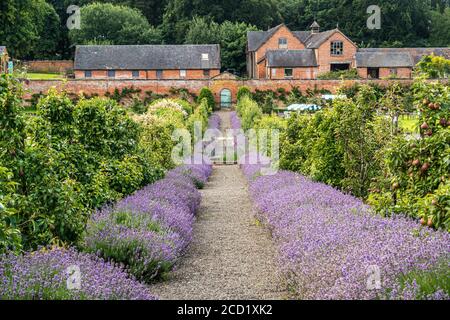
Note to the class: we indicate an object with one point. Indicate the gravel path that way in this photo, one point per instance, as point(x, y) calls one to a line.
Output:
point(231, 256)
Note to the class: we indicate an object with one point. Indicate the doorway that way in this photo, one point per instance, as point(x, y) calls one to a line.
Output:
point(339, 66)
point(373, 73)
point(225, 99)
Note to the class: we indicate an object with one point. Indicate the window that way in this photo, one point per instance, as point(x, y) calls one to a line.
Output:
point(182, 73)
point(337, 48)
point(88, 74)
point(111, 73)
point(205, 56)
point(393, 71)
point(274, 72)
point(206, 73)
point(288, 73)
point(135, 74)
point(282, 43)
point(159, 74)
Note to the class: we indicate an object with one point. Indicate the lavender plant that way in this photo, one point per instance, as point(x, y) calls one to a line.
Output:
point(43, 275)
point(328, 241)
point(149, 230)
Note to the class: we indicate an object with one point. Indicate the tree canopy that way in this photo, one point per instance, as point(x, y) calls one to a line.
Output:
point(404, 23)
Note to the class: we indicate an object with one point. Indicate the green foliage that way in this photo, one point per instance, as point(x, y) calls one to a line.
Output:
point(207, 94)
point(416, 171)
point(249, 111)
point(30, 28)
point(232, 37)
point(10, 236)
point(104, 127)
point(433, 67)
point(339, 75)
point(113, 24)
point(62, 163)
point(243, 91)
point(340, 146)
point(126, 175)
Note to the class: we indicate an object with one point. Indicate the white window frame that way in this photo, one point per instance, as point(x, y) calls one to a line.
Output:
point(337, 48)
point(205, 56)
point(183, 73)
point(282, 43)
point(274, 72)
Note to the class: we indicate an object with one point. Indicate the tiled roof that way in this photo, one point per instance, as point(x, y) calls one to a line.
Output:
point(255, 39)
point(316, 39)
point(291, 58)
point(383, 59)
point(416, 53)
point(147, 57)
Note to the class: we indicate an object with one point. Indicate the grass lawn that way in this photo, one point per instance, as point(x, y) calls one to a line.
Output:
point(409, 124)
point(44, 76)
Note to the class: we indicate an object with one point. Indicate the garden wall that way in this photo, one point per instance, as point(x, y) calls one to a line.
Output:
point(49, 66)
point(101, 86)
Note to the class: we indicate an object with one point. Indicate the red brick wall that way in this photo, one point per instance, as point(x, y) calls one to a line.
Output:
point(293, 43)
point(324, 57)
point(298, 73)
point(164, 87)
point(49, 66)
point(149, 74)
point(402, 73)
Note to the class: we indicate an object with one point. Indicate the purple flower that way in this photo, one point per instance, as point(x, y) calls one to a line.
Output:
point(149, 230)
point(42, 275)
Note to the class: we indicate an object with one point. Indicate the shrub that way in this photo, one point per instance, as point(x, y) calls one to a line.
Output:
point(338, 75)
point(433, 67)
point(150, 229)
point(43, 275)
point(249, 111)
point(243, 91)
point(416, 171)
point(126, 175)
point(207, 94)
point(104, 127)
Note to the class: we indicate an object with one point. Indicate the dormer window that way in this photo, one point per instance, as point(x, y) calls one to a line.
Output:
point(282, 43)
point(205, 57)
point(337, 48)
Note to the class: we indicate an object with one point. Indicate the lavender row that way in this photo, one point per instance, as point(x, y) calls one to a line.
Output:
point(65, 274)
point(333, 246)
point(140, 237)
point(330, 243)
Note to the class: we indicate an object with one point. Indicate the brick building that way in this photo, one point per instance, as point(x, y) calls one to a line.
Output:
point(280, 53)
point(374, 63)
point(298, 54)
point(150, 62)
point(4, 58)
